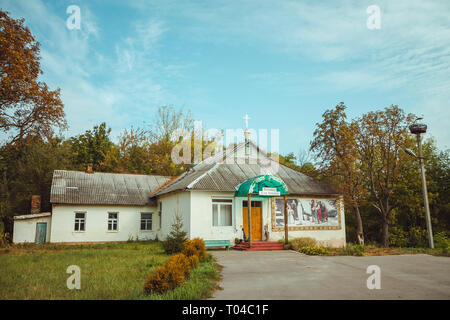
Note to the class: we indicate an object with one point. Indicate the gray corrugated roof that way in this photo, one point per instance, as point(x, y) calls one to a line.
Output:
point(225, 176)
point(76, 187)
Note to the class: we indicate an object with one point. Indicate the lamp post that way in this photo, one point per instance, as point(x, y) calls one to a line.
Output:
point(418, 129)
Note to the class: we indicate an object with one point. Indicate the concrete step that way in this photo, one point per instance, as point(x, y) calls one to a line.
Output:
point(260, 246)
point(263, 249)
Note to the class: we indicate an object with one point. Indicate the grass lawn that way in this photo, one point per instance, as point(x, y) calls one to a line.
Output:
point(371, 250)
point(380, 251)
point(108, 271)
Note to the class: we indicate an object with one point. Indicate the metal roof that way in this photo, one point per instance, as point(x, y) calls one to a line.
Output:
point(225, 175)
point(32, 216)
point(77, 187)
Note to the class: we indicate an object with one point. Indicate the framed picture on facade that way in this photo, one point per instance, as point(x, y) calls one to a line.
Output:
point(306, 213)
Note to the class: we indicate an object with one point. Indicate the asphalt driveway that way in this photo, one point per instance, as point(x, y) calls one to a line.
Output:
point(273, 275)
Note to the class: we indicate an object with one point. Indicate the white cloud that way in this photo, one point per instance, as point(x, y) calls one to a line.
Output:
point(409, 54)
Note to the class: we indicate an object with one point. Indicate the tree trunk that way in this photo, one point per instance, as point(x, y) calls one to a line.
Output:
point(385, 234)
point(359, 226)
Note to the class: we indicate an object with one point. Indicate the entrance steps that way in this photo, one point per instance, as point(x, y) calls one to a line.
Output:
point(260, 246)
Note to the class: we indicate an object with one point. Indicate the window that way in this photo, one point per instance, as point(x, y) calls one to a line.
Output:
point(112, 221)
point(146, 221)
point(255, 204)
point(222, 210)
point(80, 221)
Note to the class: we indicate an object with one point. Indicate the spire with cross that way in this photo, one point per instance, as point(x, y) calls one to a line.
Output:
point(246, 118)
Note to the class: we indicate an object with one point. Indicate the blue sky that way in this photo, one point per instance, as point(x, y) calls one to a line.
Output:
point(282, 62)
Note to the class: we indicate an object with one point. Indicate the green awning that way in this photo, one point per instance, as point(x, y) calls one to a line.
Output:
point(264, 186)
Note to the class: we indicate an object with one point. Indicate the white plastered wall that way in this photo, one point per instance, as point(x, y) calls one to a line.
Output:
point(176, 203)
point(96, 229)
point(25, 229)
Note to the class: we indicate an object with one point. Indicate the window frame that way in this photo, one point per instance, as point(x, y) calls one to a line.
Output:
point(221, 201)
point(77, 221)
point(112, 222)
point(151, 222)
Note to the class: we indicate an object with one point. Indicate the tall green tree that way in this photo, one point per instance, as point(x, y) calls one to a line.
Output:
point(381, 137)
point(29, 170)
point(335, 145)
point(91, 147)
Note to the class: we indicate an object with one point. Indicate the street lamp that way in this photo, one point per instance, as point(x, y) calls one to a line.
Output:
point(418, 129)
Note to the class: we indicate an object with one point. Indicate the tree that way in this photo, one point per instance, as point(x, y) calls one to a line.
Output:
point(174, 241)
point(27, 106)
point(381, 137)
point(334, 143)
point(168, 120)
point(28, 170)
point(91, 147)
point(149, 151)
point(131, 154)
point(437, 165)
point(160, 132)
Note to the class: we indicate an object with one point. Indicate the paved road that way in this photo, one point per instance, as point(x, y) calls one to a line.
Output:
point(272, 275)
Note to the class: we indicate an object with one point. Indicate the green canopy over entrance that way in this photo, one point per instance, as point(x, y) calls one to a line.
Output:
point(263, 185)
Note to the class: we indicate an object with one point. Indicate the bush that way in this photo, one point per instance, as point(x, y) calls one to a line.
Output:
point(398, 237)
point(298, 243)
point(201, 249)
point(157, 283)
point(195, 247)
point(174, 242)
point(354, 250)
point(418, 238)
point(178, 268)
point(4, 240)
point(441, 240)
point(168, 277)
point(180, 262)
point(189, 249)
point(194, 261)
point(314, 251)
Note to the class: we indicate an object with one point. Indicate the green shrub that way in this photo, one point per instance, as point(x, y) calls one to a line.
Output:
point(298, 243)
point(354, 250)
point(314, 251)
point(4, 240)
point(174, 242)
point(398, 237)
point(418, 237)
point(441, 240)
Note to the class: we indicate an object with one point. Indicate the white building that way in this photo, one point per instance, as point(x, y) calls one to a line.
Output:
point(100, 207)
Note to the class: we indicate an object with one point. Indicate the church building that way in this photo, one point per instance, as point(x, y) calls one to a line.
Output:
point(101, 207)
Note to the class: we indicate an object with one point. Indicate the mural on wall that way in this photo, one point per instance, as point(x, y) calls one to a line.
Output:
point(307, 212)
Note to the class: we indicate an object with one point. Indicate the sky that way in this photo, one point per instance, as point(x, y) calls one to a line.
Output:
point(282, 62)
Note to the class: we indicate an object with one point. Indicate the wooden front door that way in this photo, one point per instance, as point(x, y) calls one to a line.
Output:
point(256, 226)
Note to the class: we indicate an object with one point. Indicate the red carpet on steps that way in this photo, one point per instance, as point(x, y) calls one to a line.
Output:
point(260, 246)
